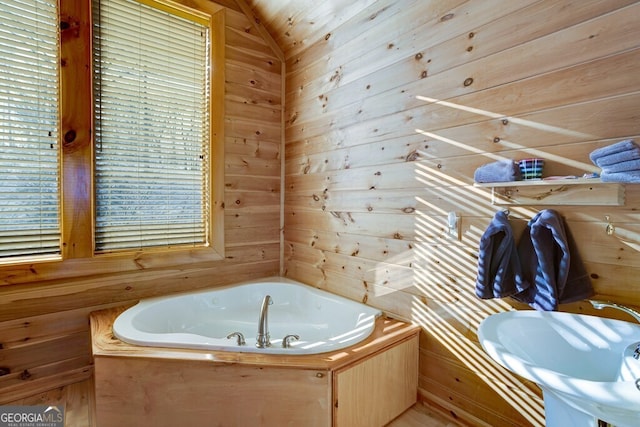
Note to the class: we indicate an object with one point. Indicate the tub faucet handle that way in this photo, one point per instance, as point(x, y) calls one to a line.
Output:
point(286, 341)
point(239, 337)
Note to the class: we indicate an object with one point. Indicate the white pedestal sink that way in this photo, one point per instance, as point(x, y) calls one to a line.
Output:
point(585, 365)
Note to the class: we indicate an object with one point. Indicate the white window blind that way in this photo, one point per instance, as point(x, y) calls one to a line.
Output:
point(29, 149)
point(152, 127)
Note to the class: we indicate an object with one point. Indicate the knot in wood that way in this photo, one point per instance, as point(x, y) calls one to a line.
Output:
point(412, 156)
point(70, 136)
point(447, 17)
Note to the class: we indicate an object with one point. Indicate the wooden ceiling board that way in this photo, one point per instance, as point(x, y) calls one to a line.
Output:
point(296, 24)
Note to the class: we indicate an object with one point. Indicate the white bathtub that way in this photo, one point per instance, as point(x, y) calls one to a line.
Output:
point(204, 319)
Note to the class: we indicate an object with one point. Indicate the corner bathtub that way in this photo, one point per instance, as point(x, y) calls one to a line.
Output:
point(188, 373)
point(203, 320)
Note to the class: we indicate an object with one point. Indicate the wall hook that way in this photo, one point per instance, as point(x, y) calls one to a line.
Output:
point(610, 227)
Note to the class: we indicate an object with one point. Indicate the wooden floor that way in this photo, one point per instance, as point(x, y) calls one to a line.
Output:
point(77, 400)
point(421, 416)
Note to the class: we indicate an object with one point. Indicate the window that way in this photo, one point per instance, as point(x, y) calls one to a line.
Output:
point(29, 129)
point(151, 126)
point(65, 182)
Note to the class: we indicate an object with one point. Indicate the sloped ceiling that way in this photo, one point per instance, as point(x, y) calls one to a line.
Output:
point(296, 24)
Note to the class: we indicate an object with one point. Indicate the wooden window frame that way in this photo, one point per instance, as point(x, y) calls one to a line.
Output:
point(78, 257)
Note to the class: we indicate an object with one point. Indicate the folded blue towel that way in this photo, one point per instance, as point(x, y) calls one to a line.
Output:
point(628, 166)
point(610, 150)
point(499, 171)
point(499, 272)
point(551, 264)
point(627, 177)
point(617, 158)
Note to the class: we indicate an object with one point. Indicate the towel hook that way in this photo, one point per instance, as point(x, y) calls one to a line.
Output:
point(610, 227)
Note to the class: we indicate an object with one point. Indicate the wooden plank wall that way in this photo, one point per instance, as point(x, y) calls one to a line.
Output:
point(388, 114)
point(44, 329)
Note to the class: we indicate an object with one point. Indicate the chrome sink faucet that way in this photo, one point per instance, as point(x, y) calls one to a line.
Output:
point(602, 304)
point(263, 339)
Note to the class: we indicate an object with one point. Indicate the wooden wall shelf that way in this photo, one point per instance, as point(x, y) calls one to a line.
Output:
point(578, 191)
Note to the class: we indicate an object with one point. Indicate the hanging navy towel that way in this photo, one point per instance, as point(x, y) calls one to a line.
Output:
point(499, 273)
point(551, 264)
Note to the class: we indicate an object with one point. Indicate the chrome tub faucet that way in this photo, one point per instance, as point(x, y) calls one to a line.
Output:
point(263, 339)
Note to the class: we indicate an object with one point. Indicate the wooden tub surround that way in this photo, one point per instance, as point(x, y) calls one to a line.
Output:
point(368, 384)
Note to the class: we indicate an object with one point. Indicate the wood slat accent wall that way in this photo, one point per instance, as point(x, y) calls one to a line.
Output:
point(389, 112)
point(44, 329)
